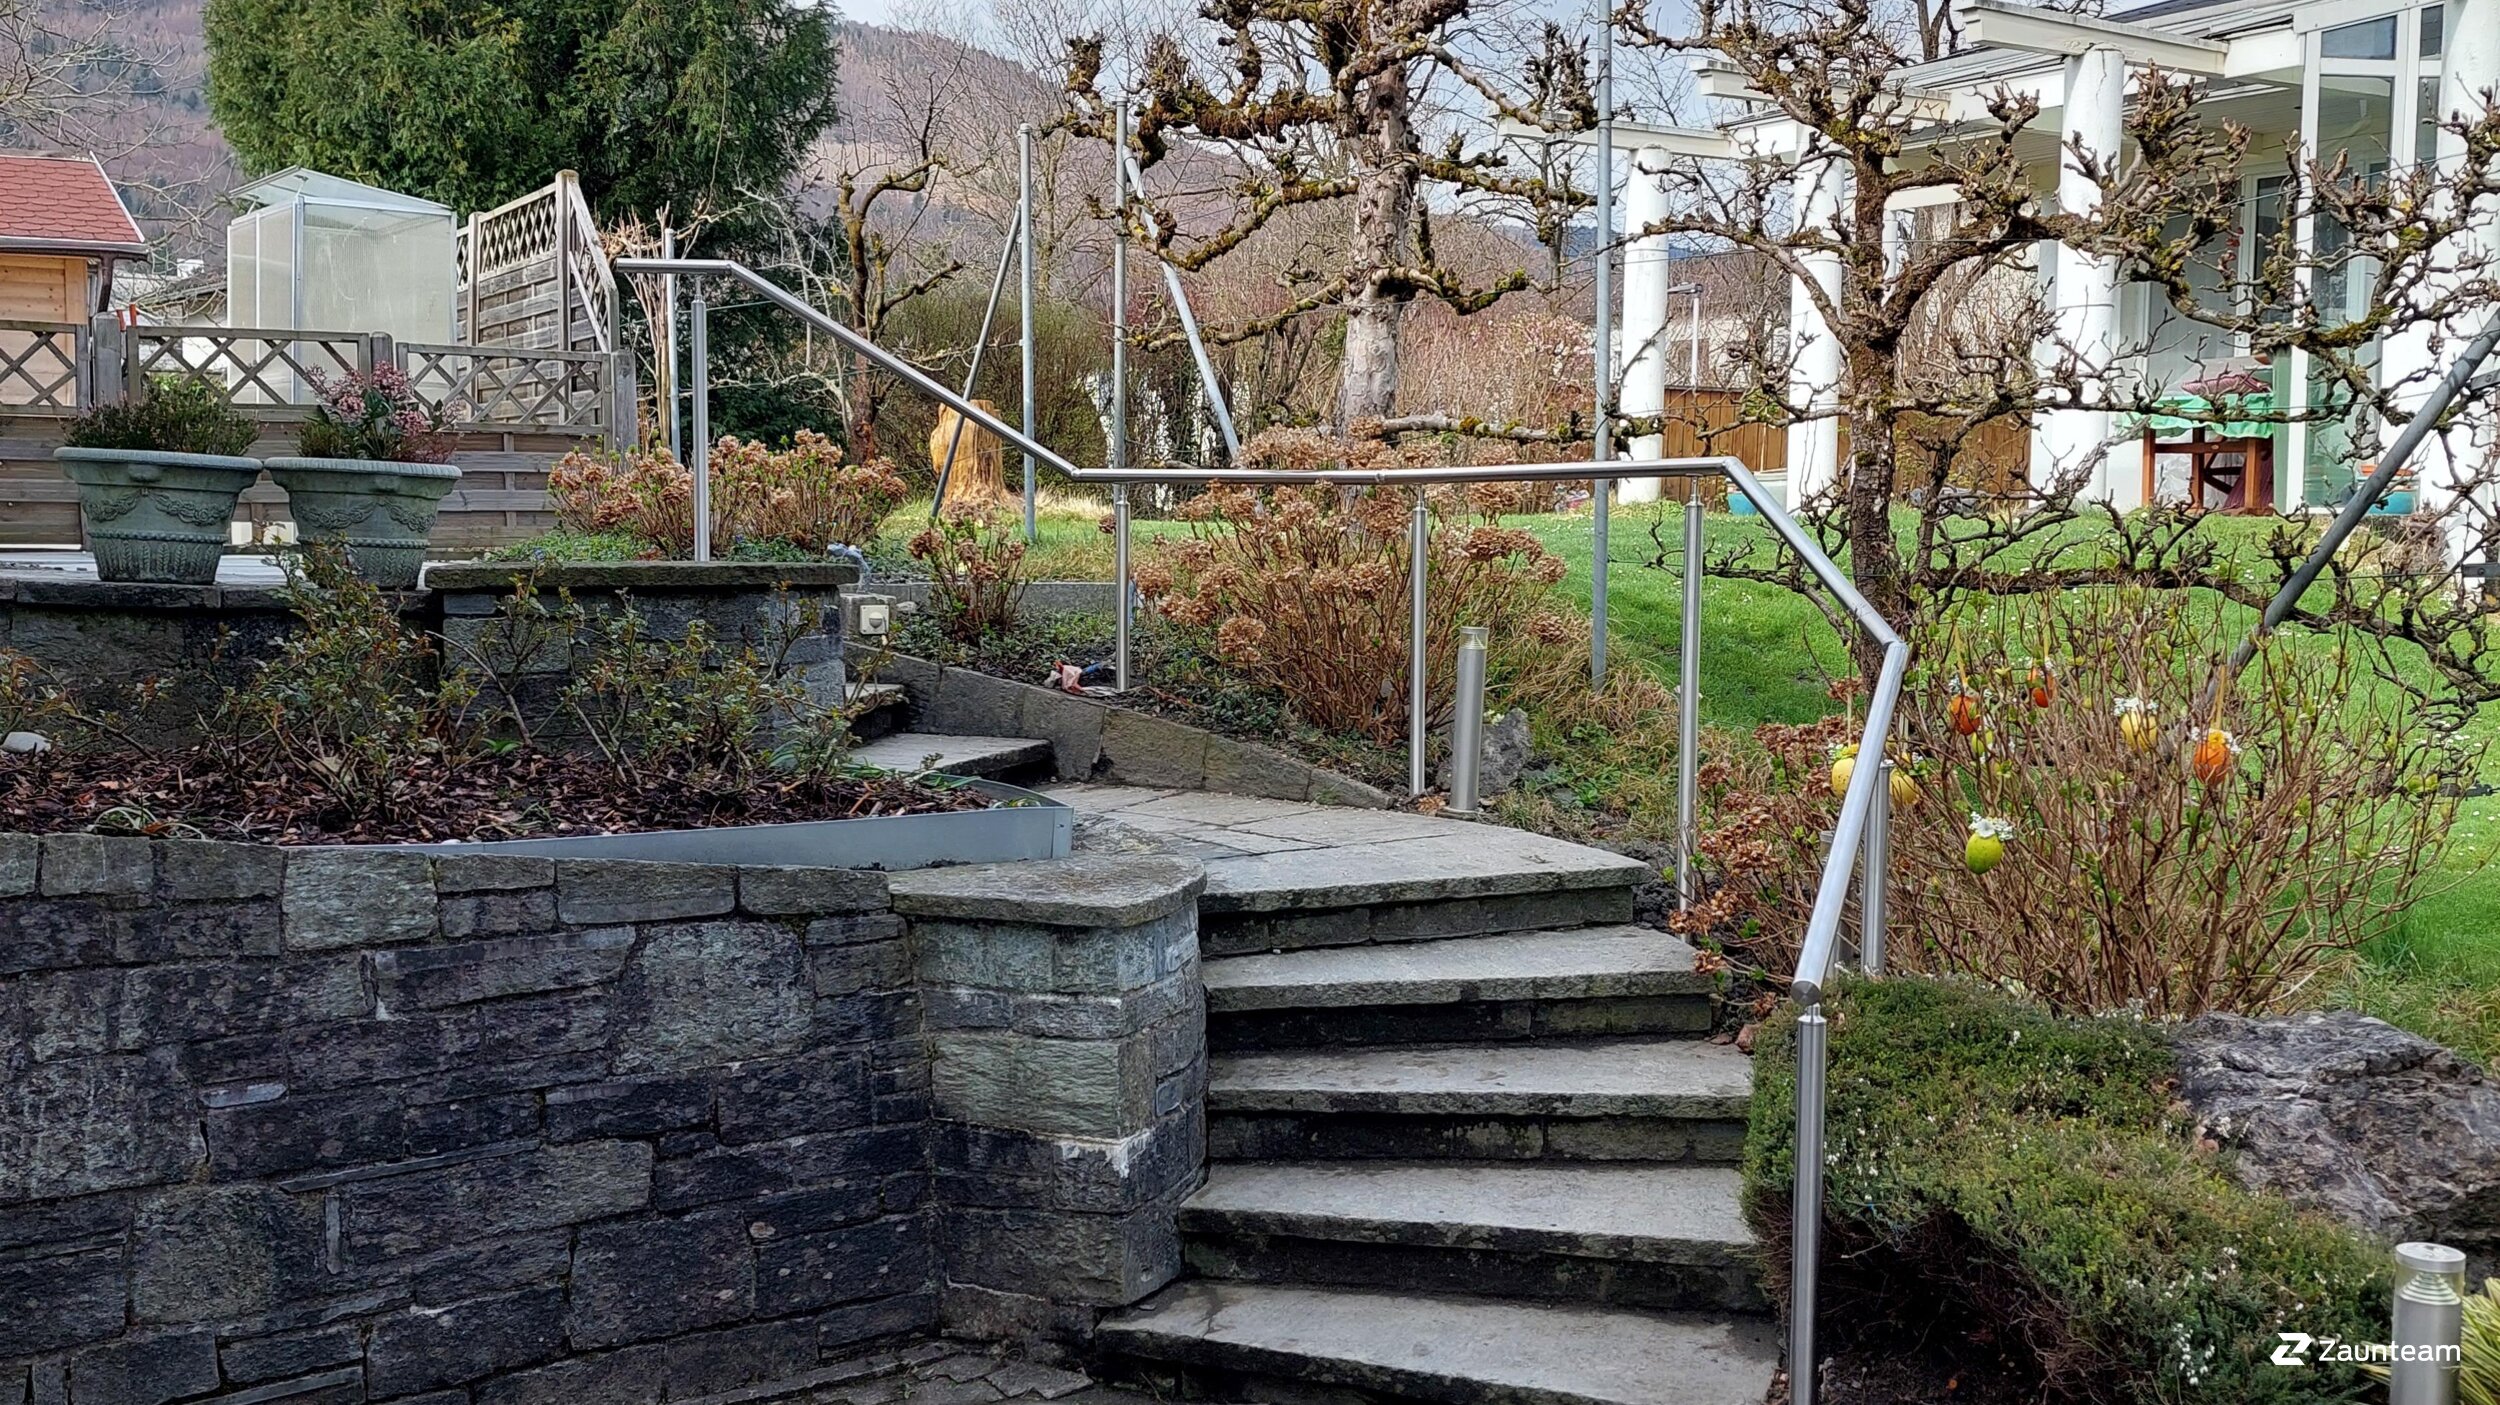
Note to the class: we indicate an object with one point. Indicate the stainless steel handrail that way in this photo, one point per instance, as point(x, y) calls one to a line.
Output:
point(1858, 832)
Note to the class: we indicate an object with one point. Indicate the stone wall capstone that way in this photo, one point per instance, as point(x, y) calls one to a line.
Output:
point(345, 1125)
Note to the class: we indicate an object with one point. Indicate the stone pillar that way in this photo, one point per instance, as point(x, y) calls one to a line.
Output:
point(2445, 464)
point(1068, 1028)
point(2064, 442)
point(1647, 264)
point(1814, 361)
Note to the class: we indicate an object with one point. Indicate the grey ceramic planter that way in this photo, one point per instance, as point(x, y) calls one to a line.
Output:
point(383, 510)
point(155, 516)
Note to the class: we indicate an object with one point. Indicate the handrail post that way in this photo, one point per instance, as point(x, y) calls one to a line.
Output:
point(1024, 335)
point(1806, 1208)
point(699, 349)
point(1120, 587)
point(1419, 547)
point(667, 345)
point(1688, 705)
point(1602, 448)
point(1119, 289)
point(1871, 874)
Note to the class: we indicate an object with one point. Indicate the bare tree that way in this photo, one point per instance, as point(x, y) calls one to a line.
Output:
point(1359, 104)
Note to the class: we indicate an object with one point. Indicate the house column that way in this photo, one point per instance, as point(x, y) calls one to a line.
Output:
point(2444, 464)
point(2065, 442)
point(1814, 360)
point(1647, 261)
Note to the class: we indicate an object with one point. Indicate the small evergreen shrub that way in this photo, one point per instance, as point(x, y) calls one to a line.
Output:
point(178, 415)
point(1995, 1173)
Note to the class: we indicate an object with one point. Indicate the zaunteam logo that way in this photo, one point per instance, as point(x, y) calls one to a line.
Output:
point(2302, 1349)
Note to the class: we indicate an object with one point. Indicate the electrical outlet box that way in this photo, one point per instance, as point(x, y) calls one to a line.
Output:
point(871, 616)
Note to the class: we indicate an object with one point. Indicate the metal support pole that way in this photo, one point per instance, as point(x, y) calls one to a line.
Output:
point(1871, 873)
point(1119, 291)
point(1688, 704)
point(1197, 341)
point(1806, 1209)
point(1467, 722)
point(1603, 488)
point(1024, 333)
point(1120, 586)
point(972, 374)
point(2427, 1328)
point(1418, 549)
point(699, 327)
point(668, 338)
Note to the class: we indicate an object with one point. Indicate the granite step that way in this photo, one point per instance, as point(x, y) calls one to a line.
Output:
point(1610, 980)
point(1365, 876)
point(1208, 1339)
point(1647, 1099)
point(1627, 1235)
point(878, 709)
point(991, 758)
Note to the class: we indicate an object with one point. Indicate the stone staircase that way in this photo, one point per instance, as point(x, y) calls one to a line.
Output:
point(1466, 1145)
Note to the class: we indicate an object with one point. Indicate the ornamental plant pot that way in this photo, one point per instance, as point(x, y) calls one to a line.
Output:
point(155, 515)
point(381, 509)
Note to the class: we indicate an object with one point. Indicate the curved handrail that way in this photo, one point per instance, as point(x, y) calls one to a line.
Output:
point(1859, 829)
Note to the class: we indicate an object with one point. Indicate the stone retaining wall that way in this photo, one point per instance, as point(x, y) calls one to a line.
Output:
point(1100, 741)
point(340, 1125)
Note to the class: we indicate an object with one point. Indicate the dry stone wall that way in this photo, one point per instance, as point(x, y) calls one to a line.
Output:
point(342, 1125)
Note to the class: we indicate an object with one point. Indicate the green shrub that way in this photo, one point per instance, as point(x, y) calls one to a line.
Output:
point(178, 415)
point(1996, 1170)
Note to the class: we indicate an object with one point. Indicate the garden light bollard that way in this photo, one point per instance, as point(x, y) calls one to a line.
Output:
point(2427, 1326)
point(1871, 875)
point(1418, 548)
point(1688, 703)
point(699, 319)
point(1806, 1209)
point(1120, 587)
point(1467, 722)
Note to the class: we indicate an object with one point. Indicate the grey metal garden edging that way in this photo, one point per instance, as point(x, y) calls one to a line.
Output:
point(1024, 825)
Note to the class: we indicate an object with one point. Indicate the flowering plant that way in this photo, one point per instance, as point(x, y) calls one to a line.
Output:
point(374, 415)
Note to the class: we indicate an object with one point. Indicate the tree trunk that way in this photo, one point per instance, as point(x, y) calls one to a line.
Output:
point(1384, 207)
point(1874, 557)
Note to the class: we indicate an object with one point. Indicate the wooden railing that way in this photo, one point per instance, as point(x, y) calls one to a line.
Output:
point(42, 366)
point(513, 386)
point(534, 273)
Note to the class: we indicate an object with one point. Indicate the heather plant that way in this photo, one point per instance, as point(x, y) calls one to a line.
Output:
point(976, 572)
point(2103, 821)
point(804, 496)
point(376, 415)
point(1306, 590)
point(178, 415)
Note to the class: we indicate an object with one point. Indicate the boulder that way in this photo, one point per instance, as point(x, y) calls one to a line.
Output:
point(1505, 756)
point(2352, 1116)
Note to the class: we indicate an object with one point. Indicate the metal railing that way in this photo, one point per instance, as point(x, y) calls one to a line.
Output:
point(1860, 831)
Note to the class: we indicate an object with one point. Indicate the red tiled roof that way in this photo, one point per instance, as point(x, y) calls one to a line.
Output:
point(64, 199)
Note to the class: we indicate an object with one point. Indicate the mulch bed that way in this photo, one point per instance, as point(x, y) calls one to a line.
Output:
point(525, 795)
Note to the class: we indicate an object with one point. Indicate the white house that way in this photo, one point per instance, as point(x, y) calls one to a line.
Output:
point(2368, 78)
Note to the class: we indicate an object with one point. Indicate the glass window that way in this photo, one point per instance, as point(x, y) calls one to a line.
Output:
point(2426, 121)
point(2370, 39)
point(2434, 30)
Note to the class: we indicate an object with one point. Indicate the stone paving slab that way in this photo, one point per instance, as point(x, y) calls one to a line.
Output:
point(1278, 856)
point(1416, 1347)
point(1681, 1078)
point(1576, 964)
point(1658, 1214)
